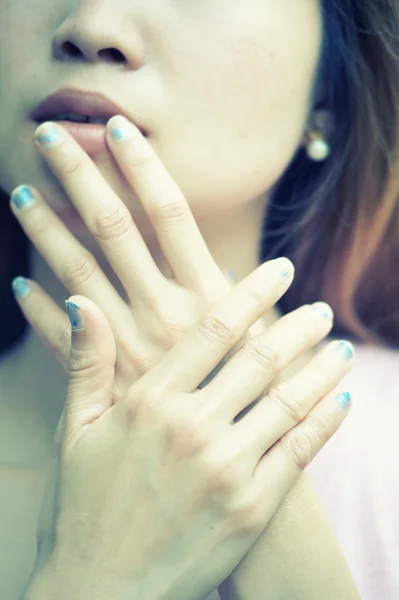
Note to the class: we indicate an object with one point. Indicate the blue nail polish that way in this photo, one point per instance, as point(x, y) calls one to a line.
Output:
point(77, 319)
point(344, 399)
point(121, 129)
point(286, 271)
point(323, 309)
point(48, 136)
point(23, 197)
point(346, 350)
point(20, 287)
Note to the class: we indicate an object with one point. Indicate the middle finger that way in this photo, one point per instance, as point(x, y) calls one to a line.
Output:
point(250, 371)
point(73, 265)
point(104, 213)
point(176, 229)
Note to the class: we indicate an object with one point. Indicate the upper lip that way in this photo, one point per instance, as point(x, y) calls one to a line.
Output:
point(91, 104)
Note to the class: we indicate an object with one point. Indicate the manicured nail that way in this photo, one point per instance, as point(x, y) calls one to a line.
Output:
point(286, 269)
point(344, 399)
point(22, 197)
point(77, 318)
point(323, 309)
point(48, 135)
point(346, 349)
point(121, 129)
point(20, 287)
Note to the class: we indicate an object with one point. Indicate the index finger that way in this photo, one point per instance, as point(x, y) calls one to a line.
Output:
point(201, 349)
point(169, 212)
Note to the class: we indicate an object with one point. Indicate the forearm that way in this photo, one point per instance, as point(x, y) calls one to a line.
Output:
point(296, 557)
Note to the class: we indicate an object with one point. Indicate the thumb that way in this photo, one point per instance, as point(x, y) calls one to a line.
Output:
point(91, 367)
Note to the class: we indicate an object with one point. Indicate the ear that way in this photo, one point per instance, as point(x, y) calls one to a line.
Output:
point(321, 121)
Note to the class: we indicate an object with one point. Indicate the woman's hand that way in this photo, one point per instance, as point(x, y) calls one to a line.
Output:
point(162, 494)
point(160, 310)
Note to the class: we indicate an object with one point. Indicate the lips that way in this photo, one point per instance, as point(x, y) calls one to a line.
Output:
point(86, 103)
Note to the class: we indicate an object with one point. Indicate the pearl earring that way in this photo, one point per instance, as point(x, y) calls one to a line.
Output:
point(318, 149)
point(320, 127)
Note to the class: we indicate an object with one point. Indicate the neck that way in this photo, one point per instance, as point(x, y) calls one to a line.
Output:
point(42, 389)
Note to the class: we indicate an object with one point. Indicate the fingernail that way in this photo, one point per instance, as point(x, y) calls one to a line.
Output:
point(20, 287)
point(286, 269)
point(121, 129)
point(77, 318)
point(344, 399)
point(323, 309)
point(347, 350)
point(48, 135)
point(22, 197)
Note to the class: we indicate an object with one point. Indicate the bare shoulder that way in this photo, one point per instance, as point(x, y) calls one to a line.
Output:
point(21, 493)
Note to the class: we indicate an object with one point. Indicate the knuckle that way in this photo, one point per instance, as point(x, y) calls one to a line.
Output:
point(291, 406)
point(149, 405)
point(84, 362)
point(320, 426)
point(183, 432)
point(218, 332)
point(299, 446)
point(172, 321)
point(170, 212)
point(70, 166)
point(112, 225)
point(245, 516)
point(78, 270)
point(186, 429)
point(263, 354)
point(222, 477)
point(170, 332)
point(190, 438)
point(148, 401)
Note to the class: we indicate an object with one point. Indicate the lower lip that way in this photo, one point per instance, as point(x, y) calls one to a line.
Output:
point(90, 136)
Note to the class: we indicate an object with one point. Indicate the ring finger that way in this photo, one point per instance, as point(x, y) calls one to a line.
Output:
point(261, 359)
point(285, 405)
point(74, 266)
point(105, 215)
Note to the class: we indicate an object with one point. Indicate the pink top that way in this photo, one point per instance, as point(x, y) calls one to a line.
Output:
point(356, 474)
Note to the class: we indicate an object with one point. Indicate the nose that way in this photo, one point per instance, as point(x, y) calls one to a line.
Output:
point(93, 32)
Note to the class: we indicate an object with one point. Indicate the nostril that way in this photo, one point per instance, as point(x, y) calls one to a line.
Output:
point(70, 49)
point(112, 54)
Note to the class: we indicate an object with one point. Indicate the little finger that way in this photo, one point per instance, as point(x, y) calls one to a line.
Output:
point(285, 405)
point(248, 373)
point(281, 466)
point(73, 265)
point(45, 316)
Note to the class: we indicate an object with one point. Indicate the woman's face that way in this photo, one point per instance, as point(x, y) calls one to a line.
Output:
point(223, 86)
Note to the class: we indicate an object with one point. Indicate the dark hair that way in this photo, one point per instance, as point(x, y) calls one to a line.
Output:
point(337, 221)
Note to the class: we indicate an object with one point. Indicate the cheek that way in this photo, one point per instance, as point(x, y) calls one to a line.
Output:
point(18, 77)
point(244, 110)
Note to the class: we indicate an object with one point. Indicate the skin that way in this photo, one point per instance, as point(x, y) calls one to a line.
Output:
point(244, 95)
point(224, 89)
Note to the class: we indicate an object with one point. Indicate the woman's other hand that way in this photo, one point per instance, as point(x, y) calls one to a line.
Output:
point(159, 310)
point(162, 494)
